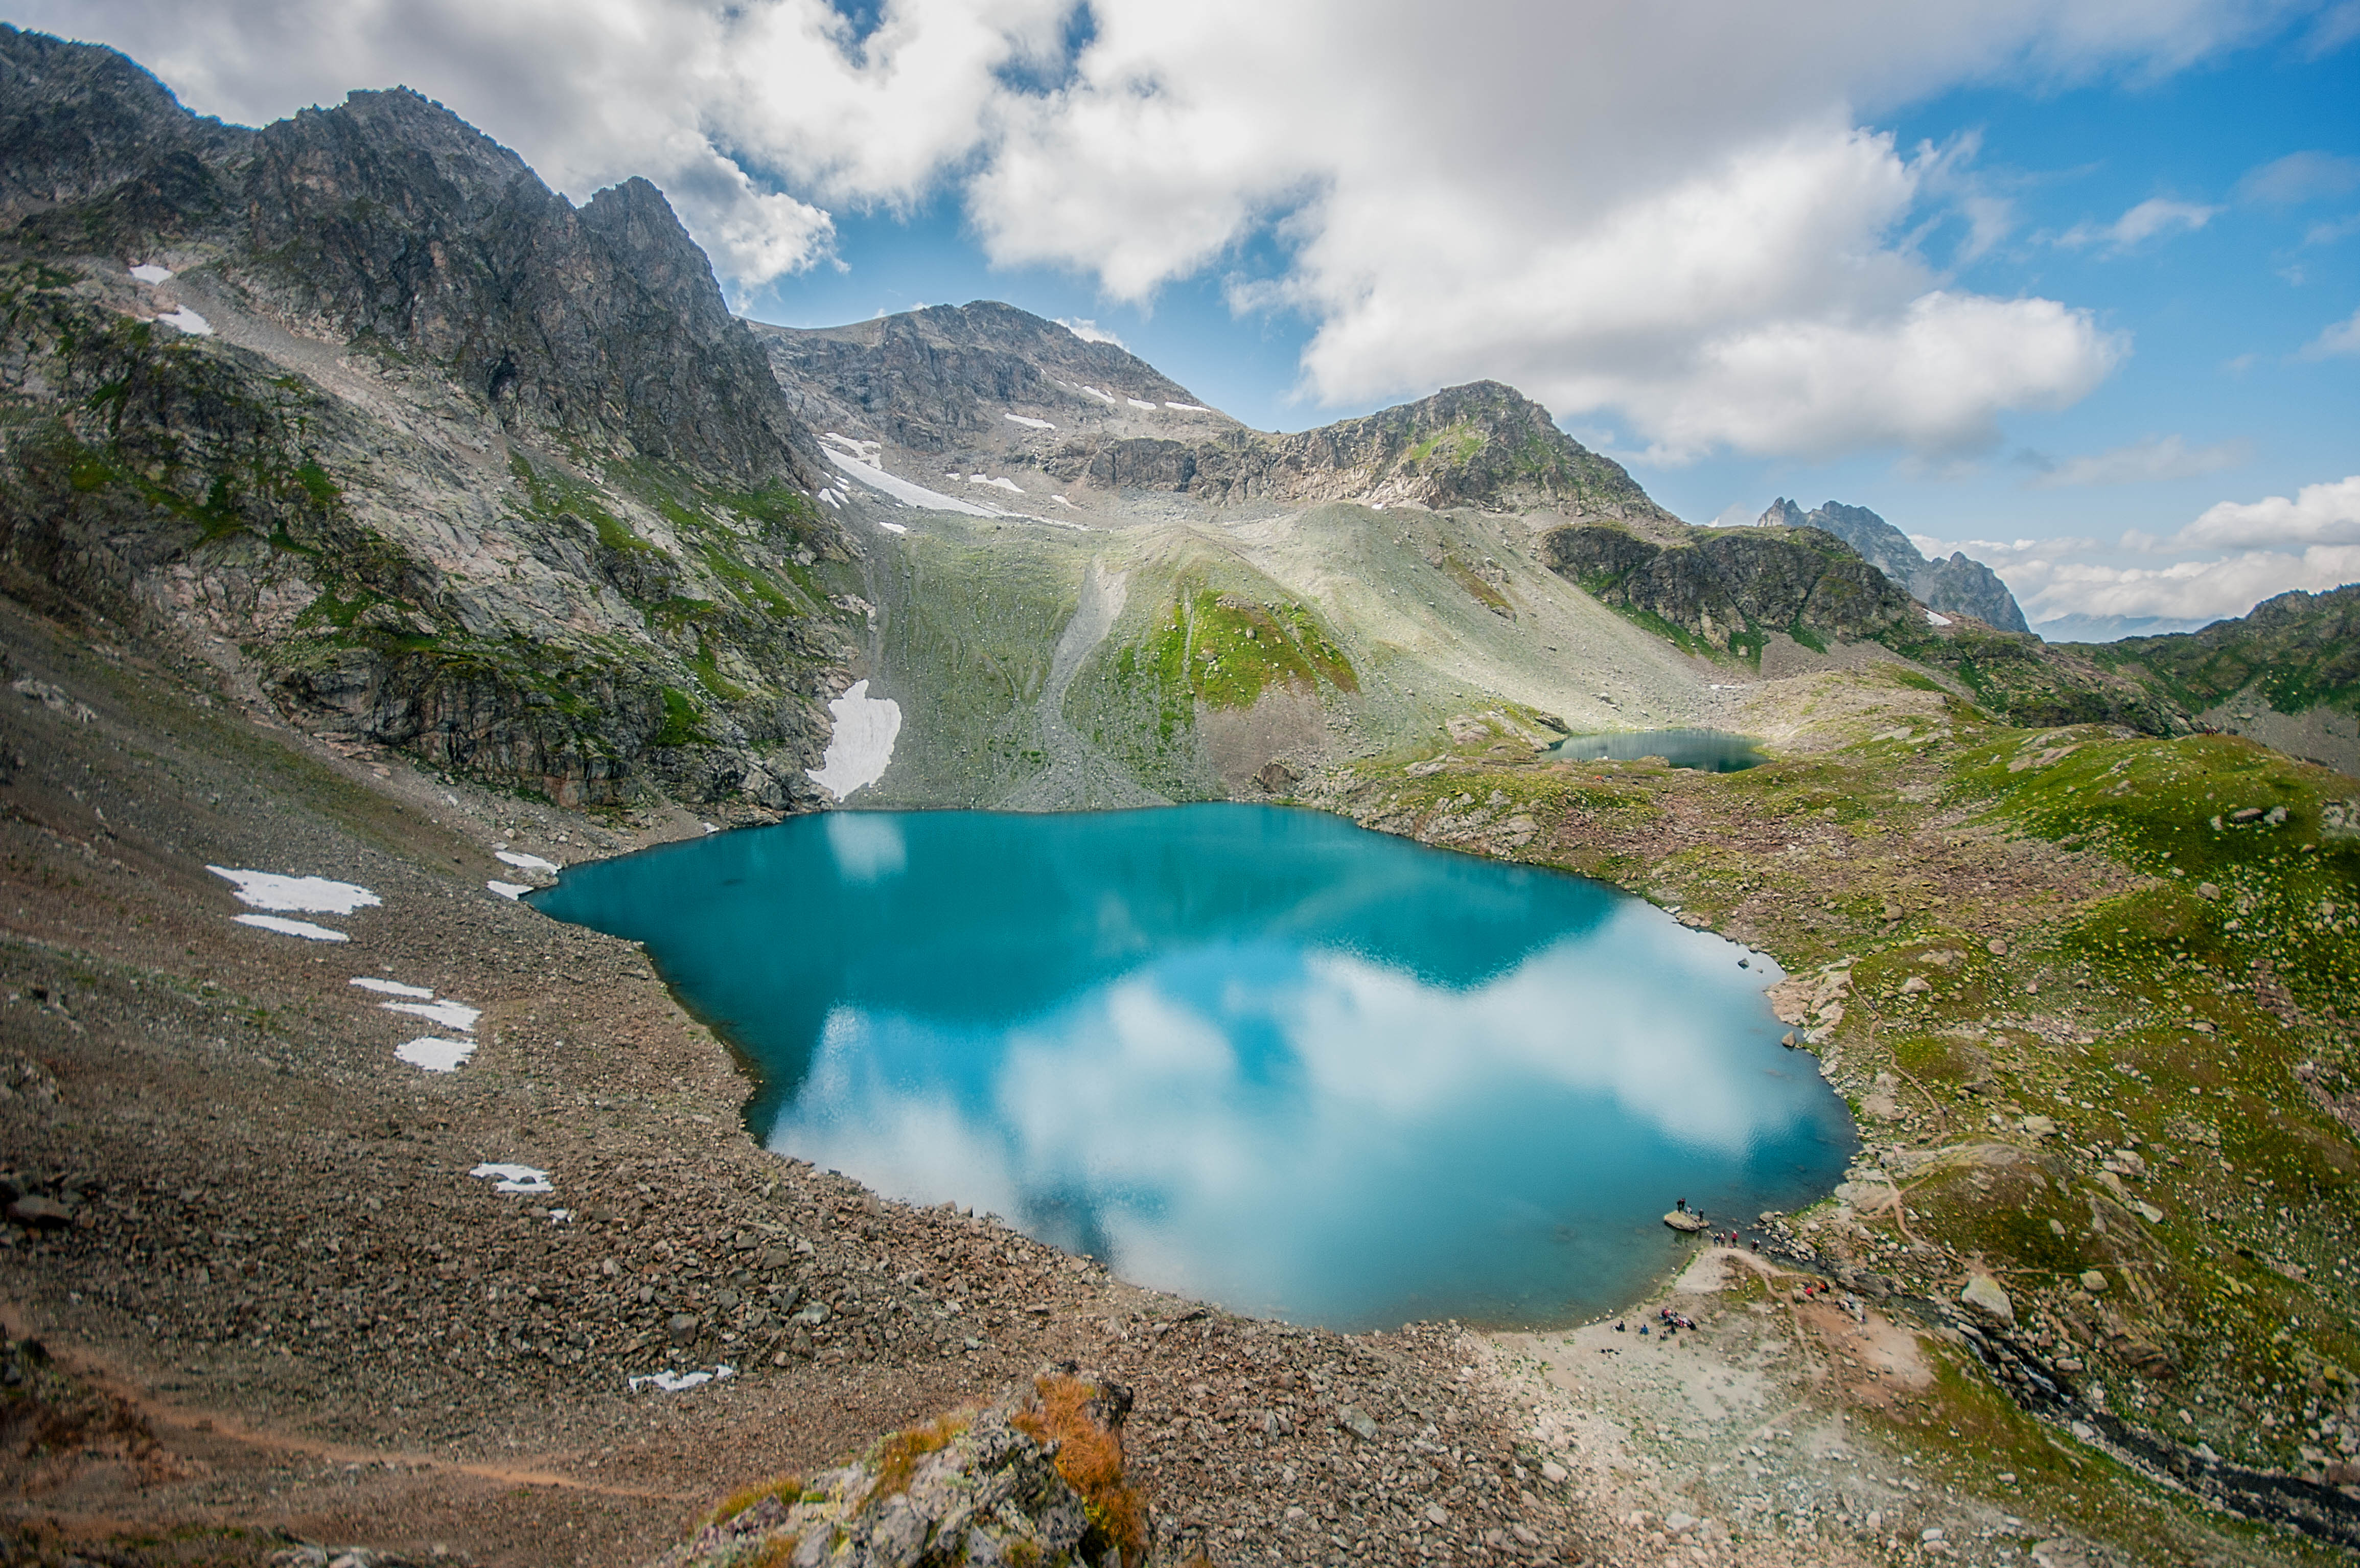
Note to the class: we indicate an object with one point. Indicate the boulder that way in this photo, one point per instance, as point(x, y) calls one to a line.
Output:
point(1681, 1220)
point(1984, 1295)
point(32, 1211)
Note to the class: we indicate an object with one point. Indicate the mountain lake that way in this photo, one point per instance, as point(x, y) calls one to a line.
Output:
point(1254, 1054)
point(1706, 751)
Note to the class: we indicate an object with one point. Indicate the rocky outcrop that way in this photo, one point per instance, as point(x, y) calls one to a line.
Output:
point(1035, 1479)
point(1955, 586)
point(1724, 591)
point(1730, 588)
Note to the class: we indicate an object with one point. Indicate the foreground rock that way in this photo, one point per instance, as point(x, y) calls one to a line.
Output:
point(1034, 1479)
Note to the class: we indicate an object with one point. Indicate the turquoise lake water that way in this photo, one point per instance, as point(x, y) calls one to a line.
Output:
point(1707, 751)
point(1254, 1054)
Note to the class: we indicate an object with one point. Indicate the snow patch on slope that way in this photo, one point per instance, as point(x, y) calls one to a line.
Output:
point(862, 745)
point(299, 895)
point(285, 927)
point(901, 489)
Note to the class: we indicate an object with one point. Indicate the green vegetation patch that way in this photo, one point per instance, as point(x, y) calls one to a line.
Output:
point(683, 723)
point(2298, 651)
point(1225, 650)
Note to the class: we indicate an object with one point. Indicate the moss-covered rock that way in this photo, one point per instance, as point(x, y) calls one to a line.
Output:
point(1035, 1481)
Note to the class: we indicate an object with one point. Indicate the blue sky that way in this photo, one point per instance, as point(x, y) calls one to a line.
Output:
point(2033, 276)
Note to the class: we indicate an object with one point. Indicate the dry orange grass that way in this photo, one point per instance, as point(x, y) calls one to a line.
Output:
point(777, 1551)
point(1089, 1457)
point(897, 1457)
point(787, 1489)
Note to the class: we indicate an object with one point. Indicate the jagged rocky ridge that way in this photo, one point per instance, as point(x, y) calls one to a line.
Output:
point(1955, 586)
point(1730, 589)
point(460, 467)
point(943, 383)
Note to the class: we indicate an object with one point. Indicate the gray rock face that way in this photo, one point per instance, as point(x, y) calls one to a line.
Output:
point(1955, 586)
point(459, 468)
point(389, 218)
point(94, 148)
point(989, 384)
point(1733, 584)
point(945, 380)
point(1482, 445)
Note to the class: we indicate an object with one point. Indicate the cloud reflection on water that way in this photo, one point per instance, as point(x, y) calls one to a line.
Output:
point(1232, 1121)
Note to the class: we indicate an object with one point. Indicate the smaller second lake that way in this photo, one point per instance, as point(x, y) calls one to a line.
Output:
point(1253, 1055)
point(1707, 751)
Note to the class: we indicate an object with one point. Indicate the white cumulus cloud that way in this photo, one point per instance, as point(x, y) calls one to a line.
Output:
point(2148, 220)
point(2164, 457)
point(2236, 554)
point(2341, 338)
point(1089, 331)
point(2187, 590)
point(2317, 514)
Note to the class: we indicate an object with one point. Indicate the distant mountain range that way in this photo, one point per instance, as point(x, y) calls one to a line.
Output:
point(1955, 586)
point(2113, 628)
point(458, 468)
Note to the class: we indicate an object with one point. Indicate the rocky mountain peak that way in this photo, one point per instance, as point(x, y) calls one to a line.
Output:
point(79, 122)
point(1956, 587)
point(1484, 444)
point(75, 118)
point(984, 379)
point(987, 384)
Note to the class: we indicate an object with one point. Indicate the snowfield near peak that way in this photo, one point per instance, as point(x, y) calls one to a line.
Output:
point(901, 489)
